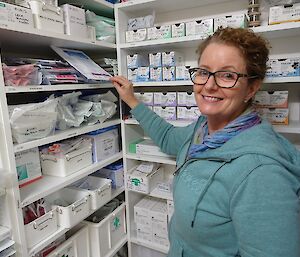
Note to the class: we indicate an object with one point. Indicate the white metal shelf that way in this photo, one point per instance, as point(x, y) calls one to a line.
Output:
point(119, 245)
point(151, 245)
point(4, 233)
point(151, 158)
point(163, 83)
point(177, 123)
point(49, 184)
point(60, 135)
point(293, 128)
point(31, 38)
point(275, 80)
point(42, 88)
point(283, 30)
point(38, 247)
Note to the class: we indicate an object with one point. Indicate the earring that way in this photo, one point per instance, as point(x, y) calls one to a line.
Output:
point(246, 100)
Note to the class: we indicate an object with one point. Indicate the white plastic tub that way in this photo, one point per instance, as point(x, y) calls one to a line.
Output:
point(98, 188)
point(72, 206)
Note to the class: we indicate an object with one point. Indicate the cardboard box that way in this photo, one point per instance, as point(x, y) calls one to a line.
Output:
point(178, 30)
point(159, 32)
point(75, 23)
point(143, 182)
point(155, 59)
point(132, 74)
point(28, 166)
point(172, 58)
point(148, 147)
point(165, 98)
point(145, 97)
point(156, 74)
point(136, 35)
point(233, 21)
point(186, 99)
point(284, 13)
point(200, 28)
point(15, 17)
point(271, 99)
point(166, 112)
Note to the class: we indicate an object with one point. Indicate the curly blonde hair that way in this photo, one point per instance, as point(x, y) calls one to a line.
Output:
point(253, 47)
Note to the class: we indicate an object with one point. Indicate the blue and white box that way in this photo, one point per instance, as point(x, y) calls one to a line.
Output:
point(132, 74)
point(136, 60)
point(289, 67)
point(172, 58)
point(166, 112)
point(143, 74)
point(155, 73)
point(114, 172)
point(165, 99)
point(169, 74)
point(178, 30)
point(155, 60)
point(105, 142)
point(186, 99)
point(145, 97)
point(182, 73)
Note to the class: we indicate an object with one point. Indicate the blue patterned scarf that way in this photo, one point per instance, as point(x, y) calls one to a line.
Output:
point(204, 141)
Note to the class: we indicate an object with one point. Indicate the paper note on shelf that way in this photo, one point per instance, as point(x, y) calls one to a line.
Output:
point(84, 64)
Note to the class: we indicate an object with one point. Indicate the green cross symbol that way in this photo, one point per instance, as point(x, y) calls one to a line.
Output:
point(135, 181)
point(117, 223)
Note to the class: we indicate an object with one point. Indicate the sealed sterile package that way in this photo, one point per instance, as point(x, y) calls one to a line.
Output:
point(141, 22)
point(33, 121)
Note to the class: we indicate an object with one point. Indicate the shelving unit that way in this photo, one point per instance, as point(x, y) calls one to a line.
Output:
point(284, 39)
point(35, 43)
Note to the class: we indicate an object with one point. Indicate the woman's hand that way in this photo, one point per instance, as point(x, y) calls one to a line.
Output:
point(125, 90)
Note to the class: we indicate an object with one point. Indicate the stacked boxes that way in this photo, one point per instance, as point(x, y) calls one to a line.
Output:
point(151, 218)
point(284, 13)
point(283, 67)
point(273, 106)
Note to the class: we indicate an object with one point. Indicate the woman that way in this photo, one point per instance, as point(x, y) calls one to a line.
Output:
point(236, 189)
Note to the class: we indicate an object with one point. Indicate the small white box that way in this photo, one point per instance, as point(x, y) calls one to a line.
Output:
point(105, 142)
point(72, 206)
point(108, 233)
point(136, 35)
point(136, 60)
point(143, 74)
point(169, 74)
point(64, 163)
point(28, 166)
point(289, 67)
point(145, 97)
point(132, 74)
point(182, 73)
point(200, 28)
point(15, 17)
point(271, 99)
point(166, 112)
point(188, 113)
point(233, 21)
point(155, 59)
point(284, 13)
point(159, 32)
point(159, 218)
point(75, 23)
point(143, 233)
point(148, 147)
point(41, 228)
point(273, 68)
point(114, 172)
point(98, 188)
point(172, 58)
point(186, 99)
point(178, 29)
point(75, 246)
point(155, 73)
point(165, 99)
point(47, 17)
point(160, 239)
point(275, 116)
point(143, 182)
point(142, 211)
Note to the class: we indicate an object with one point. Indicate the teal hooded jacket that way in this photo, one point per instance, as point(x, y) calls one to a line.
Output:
point(241, 199)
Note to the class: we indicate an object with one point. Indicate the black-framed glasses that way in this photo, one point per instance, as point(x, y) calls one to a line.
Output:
point(224, 79)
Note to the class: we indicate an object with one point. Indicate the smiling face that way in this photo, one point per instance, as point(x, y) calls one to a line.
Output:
point(222, 105)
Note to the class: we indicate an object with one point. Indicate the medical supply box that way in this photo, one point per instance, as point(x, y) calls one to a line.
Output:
point(63, 159)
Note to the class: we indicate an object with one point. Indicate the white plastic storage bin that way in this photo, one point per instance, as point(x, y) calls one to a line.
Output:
point(64, 163)
point(107, 233)
point(41, 228)
point(75, 246)
point(47, 17)
point(98, 188)
point(72, 206)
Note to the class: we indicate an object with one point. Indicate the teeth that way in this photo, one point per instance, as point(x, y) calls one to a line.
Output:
point(211, 98)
